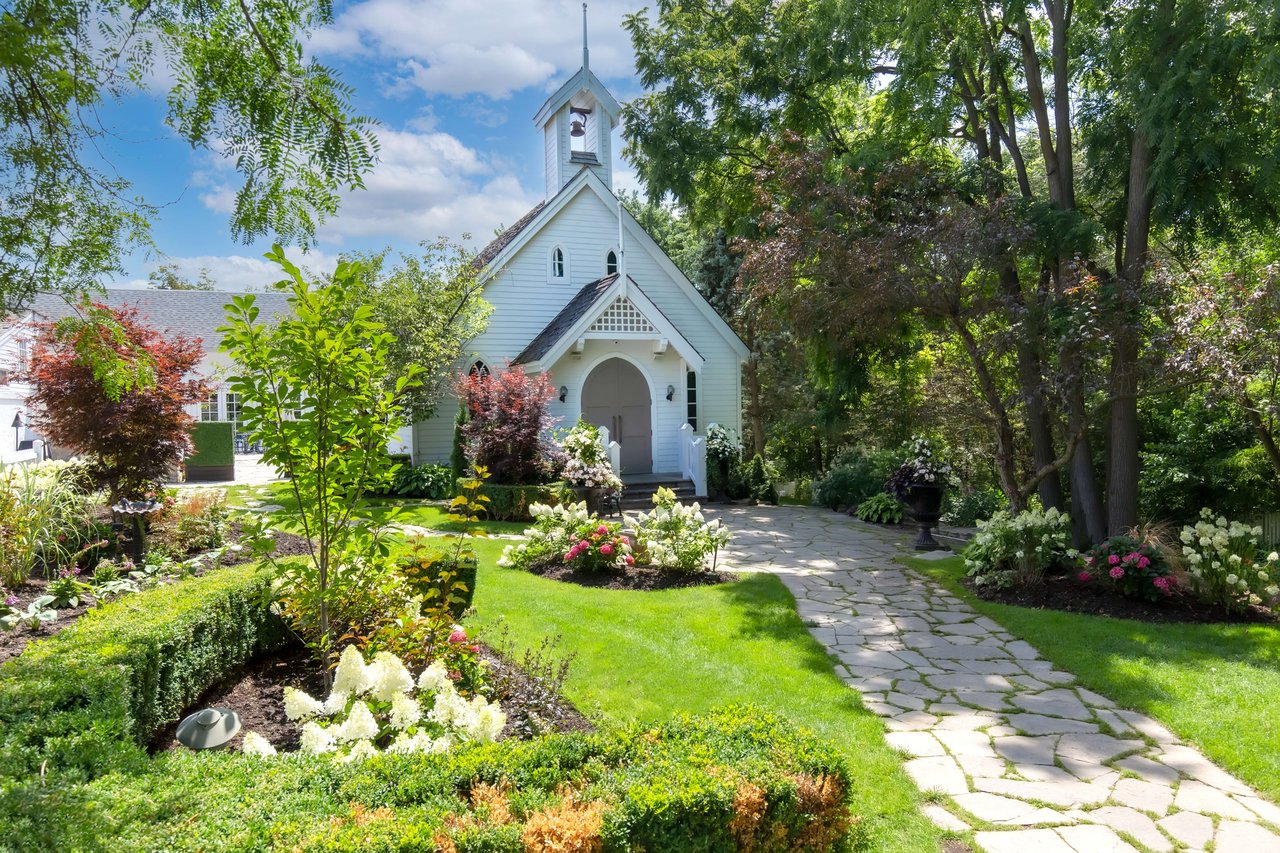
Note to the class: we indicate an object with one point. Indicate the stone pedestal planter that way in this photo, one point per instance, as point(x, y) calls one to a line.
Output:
point(924, 500)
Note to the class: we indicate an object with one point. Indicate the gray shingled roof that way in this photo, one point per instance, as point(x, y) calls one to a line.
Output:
point(497, 244)
point(194, 313)
point(570, 314)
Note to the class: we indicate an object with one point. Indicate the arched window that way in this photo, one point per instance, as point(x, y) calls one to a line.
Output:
point(557, 262)
point(479, 369)
point(611, 262)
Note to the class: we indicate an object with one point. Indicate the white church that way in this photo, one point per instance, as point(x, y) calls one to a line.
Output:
point(583, 294)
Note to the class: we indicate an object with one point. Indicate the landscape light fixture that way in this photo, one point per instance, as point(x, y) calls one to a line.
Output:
point(564, 392)
point(17, 428)
point(212, 728)
point(671, 392)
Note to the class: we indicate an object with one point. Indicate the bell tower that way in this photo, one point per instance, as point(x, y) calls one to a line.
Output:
point(577, 126)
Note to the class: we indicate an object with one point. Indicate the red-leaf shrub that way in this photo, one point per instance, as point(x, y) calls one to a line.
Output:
point(508, 421)
point(134, 436)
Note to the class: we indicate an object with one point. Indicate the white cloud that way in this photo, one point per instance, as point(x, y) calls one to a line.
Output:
point(240, 272)
point(457, 47)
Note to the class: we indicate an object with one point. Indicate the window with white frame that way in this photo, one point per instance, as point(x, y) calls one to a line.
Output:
point(557, 263)
point(611, 262)
point(209, 407)
point(691, 399)
point(234, 408)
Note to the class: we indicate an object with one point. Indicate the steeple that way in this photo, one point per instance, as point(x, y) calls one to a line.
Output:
point(577, 125)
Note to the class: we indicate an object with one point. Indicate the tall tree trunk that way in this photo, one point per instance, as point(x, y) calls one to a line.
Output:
point(1031, 380)
point(1122, 467)
point(1088, 520)
point(1006, 458)
point(755, 405)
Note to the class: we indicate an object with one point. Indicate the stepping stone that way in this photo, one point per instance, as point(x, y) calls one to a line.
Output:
point(974, 683)
point(964, 629)
point(996, 809)
point(1151, 771)
point(1144, 796)
point(945, 819)
point(990, 701)
point(989, 766)
point(1022, 650)
point(959, 718)
point(1148, 727)
point(1026, 750)
point(966, 743)
point(857, 659)
point(902, 700)
point(1191, 829)
point(1191, 763)
point(1234, 835)
point(1064, 794)
point(1133, 823)
point(1035, 724)
point(1263, 809)
point(1043, 773)
point(938, 773)
point(916, 744)
point(1199, 797)
point(912, 721)
point(1090, 838)
point(1023, 841)
point(1054, 703)
point(1099, 748)
point(1118, 725)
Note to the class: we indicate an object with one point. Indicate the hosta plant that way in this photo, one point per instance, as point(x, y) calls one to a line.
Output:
point(880, 509)
point(38, 614)
point(1133, 568)
point(677, 536)
point(381, 706)
point(1225, 566)
point(68, 590)
point(1010, 550)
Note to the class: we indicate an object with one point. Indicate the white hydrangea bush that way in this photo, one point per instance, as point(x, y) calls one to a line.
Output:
point(677, 536)
point(551, 534)
point(380, 706)
point(1009, 550)
point(1225, 564)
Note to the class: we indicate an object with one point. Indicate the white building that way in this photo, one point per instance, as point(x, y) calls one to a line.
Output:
point(17, 442)
point(583, 294)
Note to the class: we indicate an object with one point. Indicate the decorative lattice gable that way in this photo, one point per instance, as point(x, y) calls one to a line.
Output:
point(622, 316)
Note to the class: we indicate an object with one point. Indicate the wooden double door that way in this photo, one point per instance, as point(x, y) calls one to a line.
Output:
point(616, 396)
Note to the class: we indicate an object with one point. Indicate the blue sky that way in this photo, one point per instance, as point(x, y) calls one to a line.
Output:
point(454, 85)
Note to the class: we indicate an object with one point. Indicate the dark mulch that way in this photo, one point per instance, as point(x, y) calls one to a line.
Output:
point(287, 545)
point(256, 693)
point(643, 578)
point(14, 643)
point(1065, 592)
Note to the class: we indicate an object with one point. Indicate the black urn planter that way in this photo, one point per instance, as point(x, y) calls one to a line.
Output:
point(925, 502)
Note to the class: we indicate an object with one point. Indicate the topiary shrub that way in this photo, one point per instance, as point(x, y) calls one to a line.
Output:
point(214, 456)
point(881, 509)
point(758, 481)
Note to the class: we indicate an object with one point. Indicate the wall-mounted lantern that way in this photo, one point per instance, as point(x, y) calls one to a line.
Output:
point(564, 392)
point(671, 393)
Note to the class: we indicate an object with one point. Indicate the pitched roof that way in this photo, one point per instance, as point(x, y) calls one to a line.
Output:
point(497, 244)
point(569, 315)
point(194, 313)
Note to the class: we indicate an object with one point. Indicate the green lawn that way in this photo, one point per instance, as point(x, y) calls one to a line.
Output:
point(648, 655)
point(1218, 686)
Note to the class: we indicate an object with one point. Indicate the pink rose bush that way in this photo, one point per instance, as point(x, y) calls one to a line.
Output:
point(1133, 568)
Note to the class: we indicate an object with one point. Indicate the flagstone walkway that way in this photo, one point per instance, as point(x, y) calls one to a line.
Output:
point(1029, 759)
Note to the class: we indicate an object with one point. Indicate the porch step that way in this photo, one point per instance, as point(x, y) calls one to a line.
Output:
point(637, 494)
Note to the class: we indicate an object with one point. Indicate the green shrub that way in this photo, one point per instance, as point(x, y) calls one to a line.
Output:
point(966, 509)
point(735, 779)
point(856, 476)
point(881, 509)
point(1134, 568)
point(1017, 550)
point(423, 481)
point(82, 701)
point(214, 443)
point(759, 482)
point(511, 503)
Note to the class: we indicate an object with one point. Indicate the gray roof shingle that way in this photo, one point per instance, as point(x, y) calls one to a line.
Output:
point(497, 244)
point(194, 313)
point(570, 314)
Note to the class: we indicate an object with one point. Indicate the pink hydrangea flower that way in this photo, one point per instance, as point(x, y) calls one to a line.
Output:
point(584, 545)
point(1113, 560)
point(1084, 577)
point(602, 530)
point(458, 637)
point(1116, 572)
point(1143, 562)
point(606, 549)
point(631, 561)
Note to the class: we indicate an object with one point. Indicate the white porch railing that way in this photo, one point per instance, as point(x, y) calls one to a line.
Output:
point(612, 449)
point(693, 459)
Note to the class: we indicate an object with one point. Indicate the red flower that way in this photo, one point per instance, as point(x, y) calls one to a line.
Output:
point(631, 561)
point(1084, 577)
point(458, 637)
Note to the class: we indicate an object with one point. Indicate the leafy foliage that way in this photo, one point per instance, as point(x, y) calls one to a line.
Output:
point(1135, 568)
point(235, 80)
point(423, 481)
point(134, 434)
point(44, 520)
point(759, 481)
point(1225, 565)
point(1014, 550)
point(881, 508)
point(506, 423)
point(857, 475)
point(316, 393)
point(569, 534)
point(677, 536)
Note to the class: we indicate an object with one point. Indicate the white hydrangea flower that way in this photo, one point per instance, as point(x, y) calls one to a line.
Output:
point(1232, 580)
point(336, 703)
point(1273, 557)
point(388, 677)
point(351, 676)
point(488, 721)
point(1273, 590)
point(359, 751)
point(256, 744)
point(316, 739)
point(300, 706)
point(434, 677)
point(359, 725)
point(405, 711)
point(450, 708)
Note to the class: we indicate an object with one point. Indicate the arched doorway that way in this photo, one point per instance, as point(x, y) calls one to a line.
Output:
point(616, 396)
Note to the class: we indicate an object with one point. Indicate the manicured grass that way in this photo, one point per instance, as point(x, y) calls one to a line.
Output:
point(647, 655)
point(1218, 686)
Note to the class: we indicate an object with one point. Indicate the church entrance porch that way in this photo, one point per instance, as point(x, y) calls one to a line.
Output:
point(616, 396)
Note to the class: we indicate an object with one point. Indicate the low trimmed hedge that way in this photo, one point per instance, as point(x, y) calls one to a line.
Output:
point(87, 699)
point(511, 503)
point(736, 779)
point(214, 443)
